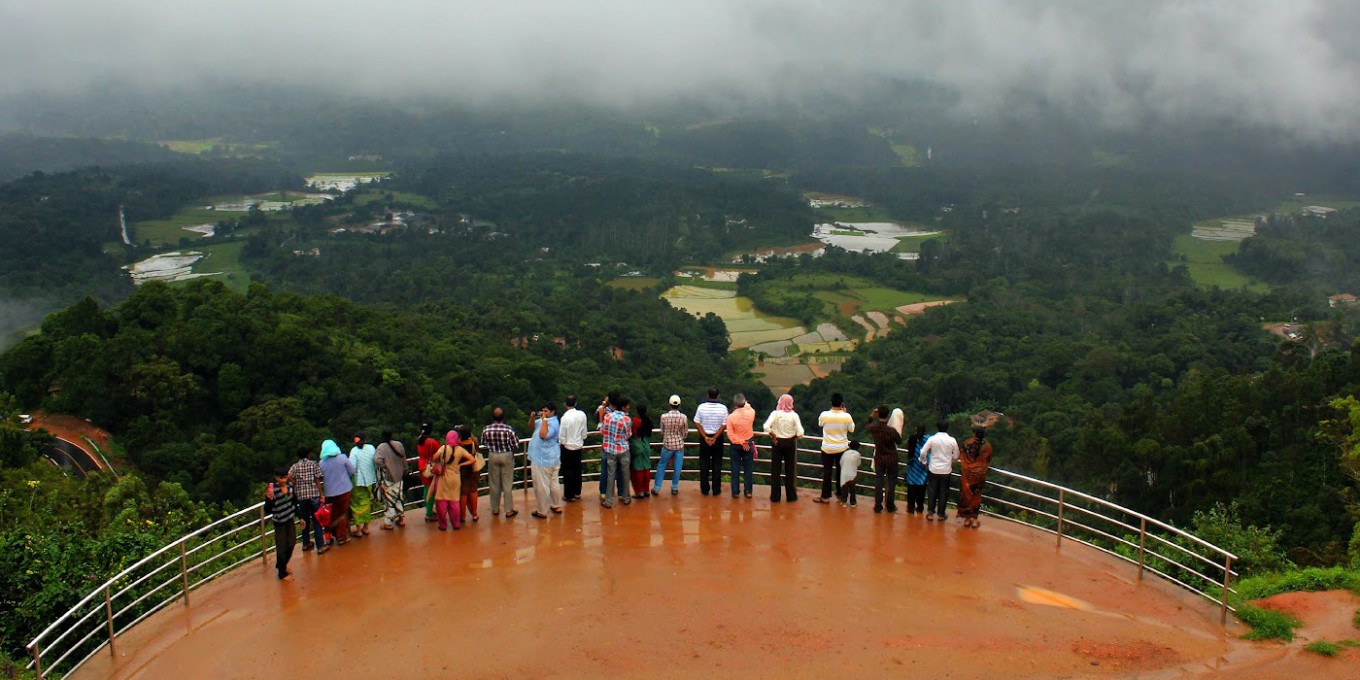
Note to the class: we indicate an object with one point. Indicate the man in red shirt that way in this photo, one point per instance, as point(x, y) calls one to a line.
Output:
point(426, 446)
point(740, 432)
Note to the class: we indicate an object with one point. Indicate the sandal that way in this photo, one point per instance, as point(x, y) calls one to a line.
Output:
point(556, 511)
point(510, 514)
point(538, 515)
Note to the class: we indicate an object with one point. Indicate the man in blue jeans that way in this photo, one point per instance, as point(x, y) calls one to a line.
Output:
point(306, 477)
point(740, 433)
point(674, 427)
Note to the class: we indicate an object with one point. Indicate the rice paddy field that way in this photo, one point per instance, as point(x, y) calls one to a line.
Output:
point(1204, 259)
point(746, 325)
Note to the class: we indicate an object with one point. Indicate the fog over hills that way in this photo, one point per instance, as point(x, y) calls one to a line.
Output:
point(1289, 65)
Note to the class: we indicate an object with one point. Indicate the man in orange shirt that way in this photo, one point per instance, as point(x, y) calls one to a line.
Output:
point(740, 433)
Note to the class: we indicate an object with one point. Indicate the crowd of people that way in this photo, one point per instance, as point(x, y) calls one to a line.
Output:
point(338, 497)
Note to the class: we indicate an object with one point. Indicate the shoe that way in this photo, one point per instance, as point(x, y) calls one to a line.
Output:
point(443, 528)
point(656, 491)
point(774, 499)
point(748, 494)
point(307, 548)
point(325, 548)
point(877, 510)
point(573, 499)
point(606, 505)
point(626, 500)
point(892, 510)
point(556, 511)
point(736, 495)
point(386, 527)
point(430, 519)
point(674, 491)
point(496, 513)
point(703, 491)
point(819, 499)
point(792, 499)
point(538, 515)
point(475, 518)
point(510, 514)
point(930, 518)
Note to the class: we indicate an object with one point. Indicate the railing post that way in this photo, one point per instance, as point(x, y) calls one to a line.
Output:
point(184, 572)
point(37, 662)
point(264, 545)
point(108, 618)
point(1227, 582)
point(1062, 503)
point(1142, 547)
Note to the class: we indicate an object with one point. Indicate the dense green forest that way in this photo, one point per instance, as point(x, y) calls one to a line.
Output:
point(1115, 372)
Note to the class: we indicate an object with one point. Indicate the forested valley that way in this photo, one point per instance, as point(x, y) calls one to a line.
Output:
point(490, 280)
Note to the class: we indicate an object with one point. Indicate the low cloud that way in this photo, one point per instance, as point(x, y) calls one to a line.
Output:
point(1293, 65)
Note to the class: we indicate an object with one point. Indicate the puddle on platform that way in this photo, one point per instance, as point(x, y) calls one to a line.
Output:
point(1048, 598)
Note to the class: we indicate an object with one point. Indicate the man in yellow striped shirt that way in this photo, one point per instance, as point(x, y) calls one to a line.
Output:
point(836, 424)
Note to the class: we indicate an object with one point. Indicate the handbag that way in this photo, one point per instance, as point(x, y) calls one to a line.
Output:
point(480, 463)
point(323, 515)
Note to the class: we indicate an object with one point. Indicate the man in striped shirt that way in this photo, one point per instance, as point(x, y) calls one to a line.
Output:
point(836, 424)
point(711, 420)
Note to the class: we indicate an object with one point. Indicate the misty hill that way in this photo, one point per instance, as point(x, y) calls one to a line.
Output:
point(25, 154)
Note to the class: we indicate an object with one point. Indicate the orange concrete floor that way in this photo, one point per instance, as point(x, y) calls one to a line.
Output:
point(688, 586)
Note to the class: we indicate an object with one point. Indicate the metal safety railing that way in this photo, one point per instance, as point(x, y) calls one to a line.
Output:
point(175, 570)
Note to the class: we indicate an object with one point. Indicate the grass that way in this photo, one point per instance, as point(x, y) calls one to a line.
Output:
point(1323, 647)
point(170, 230)
point(398, 198)
point(908, 154)
point(199, 147)
point(225, 258)
point(1267, 624)
point(635, 282)
point(912, 244)
point(1204, 259)
point(1294, 207)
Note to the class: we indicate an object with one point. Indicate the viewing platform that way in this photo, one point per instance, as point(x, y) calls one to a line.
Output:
point(686, 586)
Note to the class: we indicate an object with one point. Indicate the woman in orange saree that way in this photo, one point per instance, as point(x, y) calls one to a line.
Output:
point(975, 459)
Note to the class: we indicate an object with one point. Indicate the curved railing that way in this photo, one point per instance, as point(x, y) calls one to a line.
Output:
point(174, 571)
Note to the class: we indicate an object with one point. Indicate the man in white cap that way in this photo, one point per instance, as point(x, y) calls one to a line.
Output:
point(674, 427)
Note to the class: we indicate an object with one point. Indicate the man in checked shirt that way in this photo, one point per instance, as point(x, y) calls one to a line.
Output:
point(501, 443)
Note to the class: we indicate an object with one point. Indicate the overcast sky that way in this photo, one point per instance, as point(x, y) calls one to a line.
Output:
point(1291, 63)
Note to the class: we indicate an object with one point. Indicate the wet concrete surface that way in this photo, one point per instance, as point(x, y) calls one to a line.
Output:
point(689, 586)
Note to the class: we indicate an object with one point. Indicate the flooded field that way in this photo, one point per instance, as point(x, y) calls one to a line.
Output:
point(867, 237)
point(745, 324)
point(176, 266)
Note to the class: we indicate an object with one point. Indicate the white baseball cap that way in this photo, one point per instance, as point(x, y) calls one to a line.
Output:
point(675, 400)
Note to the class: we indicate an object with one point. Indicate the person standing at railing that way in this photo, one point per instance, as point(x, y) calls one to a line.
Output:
point(389, 462)
point(501, 443)
point(917, 473)
point(939, 454)
point(886, 439)
point(445, 473)
point(470, 478)
point(616, 428)
point(710, 419)
point(365, 479)
point(975, 460)
point(784, 427)
point(836, 424)
point(740, 433)
point(674, 428)
point(601, 411)
point(281, 505)
point(426, 445)
point(336, 472)
point(306, 476)
point(640, 453)
point(545, 457)
point(571, 435)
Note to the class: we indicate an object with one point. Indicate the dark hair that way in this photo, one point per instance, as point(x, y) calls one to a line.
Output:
point(837, 400)
point(426, 427)
point(281, 471)
point(571, 401)
point(980, 431)
point(464, 431)
point(552, 408)
point(359, 435)
point(387, 439)
point(613, 397)
point(712, 393)
point(304, 451)
point(854, 444)
point(622, 403)
point(641, 409)
point(942, 425)
point(883, 411)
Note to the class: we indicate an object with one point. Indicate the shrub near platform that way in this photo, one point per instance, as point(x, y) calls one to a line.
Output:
point(1268, 624)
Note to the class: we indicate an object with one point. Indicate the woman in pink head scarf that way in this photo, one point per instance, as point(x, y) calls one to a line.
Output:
point(444, 474)
point(783, 427)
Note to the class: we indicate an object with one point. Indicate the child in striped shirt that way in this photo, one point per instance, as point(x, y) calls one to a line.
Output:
point(281, 505)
